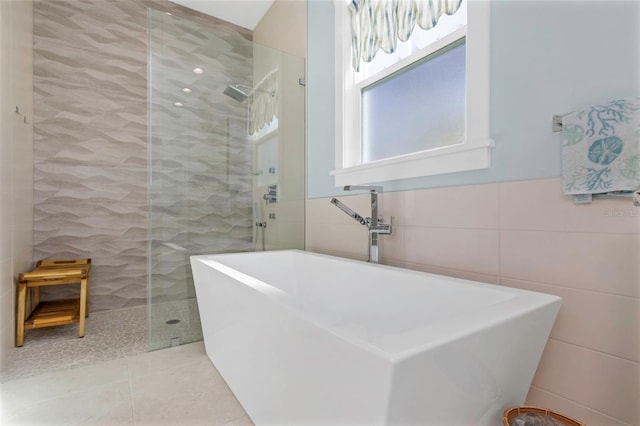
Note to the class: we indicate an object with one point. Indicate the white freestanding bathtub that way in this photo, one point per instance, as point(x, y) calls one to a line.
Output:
point(309, 339)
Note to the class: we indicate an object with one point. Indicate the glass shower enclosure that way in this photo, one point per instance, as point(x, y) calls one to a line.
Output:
point(226, 159)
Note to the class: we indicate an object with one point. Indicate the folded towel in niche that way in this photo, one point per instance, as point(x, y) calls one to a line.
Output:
point(601, 148)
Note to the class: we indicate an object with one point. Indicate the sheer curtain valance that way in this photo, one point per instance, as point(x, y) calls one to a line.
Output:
point(379, 24)
point(263, 102)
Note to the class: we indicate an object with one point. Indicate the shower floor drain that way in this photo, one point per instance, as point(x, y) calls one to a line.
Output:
point(172, 321)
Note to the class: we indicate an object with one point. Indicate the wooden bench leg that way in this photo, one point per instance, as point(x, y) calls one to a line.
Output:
point(83, 306)
point(22, 311)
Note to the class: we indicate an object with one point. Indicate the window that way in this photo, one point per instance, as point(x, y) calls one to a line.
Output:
point(422, 110)
point(430, 115)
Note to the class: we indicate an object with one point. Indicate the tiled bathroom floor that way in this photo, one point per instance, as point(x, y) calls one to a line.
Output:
point(175, 386)
point(109, 335)
point(109, 378)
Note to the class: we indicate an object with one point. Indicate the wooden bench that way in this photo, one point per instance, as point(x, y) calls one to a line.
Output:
point(52, 272)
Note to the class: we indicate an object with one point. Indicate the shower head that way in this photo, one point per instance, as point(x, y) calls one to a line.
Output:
point(235, 93)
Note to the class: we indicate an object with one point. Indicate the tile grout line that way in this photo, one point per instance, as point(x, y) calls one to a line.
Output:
point(595, 351)
point(557, 285)
point(579, 404)
point(565, 287)
point(408, 265)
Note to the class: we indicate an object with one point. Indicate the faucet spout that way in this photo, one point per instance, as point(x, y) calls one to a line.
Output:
point(370, 188)
point(374, 191)
point(342, 206)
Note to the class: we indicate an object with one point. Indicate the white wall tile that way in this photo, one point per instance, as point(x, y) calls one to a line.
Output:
point(541, 205)
point(329, 230)
point(541, 398)
point(603, 322)
point(473, 250)
point(392, 204)
point(605, 263)
point(465, 275)
point(351, 239)
point(332, 252)
point(599, 381)
point(391, 262)
point(474, 206)
point(391, 246)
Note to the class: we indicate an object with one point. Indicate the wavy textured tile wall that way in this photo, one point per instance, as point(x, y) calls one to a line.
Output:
point(201, 181)
point(91, 147)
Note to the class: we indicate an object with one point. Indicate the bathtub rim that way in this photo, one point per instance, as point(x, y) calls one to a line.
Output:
point(430, 336)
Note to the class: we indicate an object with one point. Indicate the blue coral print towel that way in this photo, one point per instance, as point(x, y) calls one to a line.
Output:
point(601, 148)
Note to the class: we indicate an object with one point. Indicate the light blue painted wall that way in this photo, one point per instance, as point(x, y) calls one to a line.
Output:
point(320, 97)
point(547, 57)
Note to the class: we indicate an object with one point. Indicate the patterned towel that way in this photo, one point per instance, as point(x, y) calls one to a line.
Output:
point(601, 148)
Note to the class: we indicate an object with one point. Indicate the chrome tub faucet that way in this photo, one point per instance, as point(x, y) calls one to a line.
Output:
point(374, 223)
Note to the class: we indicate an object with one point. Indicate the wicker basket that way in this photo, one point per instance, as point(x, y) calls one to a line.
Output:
point(514, 411)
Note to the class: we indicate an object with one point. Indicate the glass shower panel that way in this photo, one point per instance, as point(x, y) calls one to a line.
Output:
point(201, 165)
point(226, 123)
point(277, 132)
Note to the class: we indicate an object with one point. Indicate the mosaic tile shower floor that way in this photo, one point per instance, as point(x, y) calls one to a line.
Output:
point(109, 335)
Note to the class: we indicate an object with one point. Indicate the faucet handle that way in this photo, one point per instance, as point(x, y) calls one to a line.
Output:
point(380, 219)
point(382, 228)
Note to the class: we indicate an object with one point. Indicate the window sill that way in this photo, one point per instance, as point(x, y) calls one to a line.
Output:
point(449, 159)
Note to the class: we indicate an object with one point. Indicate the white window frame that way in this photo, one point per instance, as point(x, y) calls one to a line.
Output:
point(473, 153)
